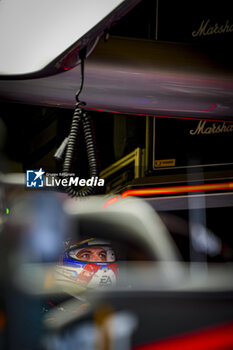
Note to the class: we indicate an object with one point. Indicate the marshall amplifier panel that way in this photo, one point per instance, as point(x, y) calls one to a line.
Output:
point(182, 143)
point(198, 21)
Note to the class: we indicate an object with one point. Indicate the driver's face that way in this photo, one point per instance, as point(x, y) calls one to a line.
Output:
point(92, 254)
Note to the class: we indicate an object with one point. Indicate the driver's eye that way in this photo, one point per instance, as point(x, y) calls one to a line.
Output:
point(85, 256)
point(102, 255)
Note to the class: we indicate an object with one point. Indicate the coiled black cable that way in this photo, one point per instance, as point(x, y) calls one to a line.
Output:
point(81, 119)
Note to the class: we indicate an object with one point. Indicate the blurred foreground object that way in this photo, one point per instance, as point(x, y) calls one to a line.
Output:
point(152, 280)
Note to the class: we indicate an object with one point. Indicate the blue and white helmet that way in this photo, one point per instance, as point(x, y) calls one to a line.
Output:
point(90, 263)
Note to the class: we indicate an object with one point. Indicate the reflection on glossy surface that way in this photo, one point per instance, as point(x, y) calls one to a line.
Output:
point(138, 77)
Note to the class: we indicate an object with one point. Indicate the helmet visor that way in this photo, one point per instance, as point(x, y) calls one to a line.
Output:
point(93, 253)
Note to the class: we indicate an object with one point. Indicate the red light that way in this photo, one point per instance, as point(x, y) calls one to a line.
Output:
point(50, 303)
point(177, 189)
point(161, 116)
point(215, 338)
point(111, 201)
point(71, 59)
point(209, 109)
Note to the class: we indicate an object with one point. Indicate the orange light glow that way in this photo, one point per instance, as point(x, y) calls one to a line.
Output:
point(177, 189)
point(111, 201)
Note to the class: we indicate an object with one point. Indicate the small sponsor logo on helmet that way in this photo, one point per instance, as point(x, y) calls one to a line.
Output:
point(105, 281)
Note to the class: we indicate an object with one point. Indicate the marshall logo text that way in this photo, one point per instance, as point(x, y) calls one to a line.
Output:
point(214, 129)
point(206, 29)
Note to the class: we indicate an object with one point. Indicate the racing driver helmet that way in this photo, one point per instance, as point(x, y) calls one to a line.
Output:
point(91, 263)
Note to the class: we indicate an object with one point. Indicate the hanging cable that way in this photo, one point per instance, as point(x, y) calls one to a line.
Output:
point(81, 120)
